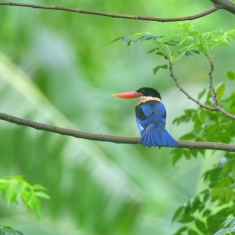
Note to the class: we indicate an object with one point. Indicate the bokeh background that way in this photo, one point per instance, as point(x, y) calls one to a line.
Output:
point(60, 68)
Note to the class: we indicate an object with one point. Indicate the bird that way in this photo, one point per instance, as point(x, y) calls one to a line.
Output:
point(150, 118)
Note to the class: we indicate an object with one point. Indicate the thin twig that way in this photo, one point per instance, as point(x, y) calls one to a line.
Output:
point(212, 91)
point(187, 94)
point(214, 98)
point(109, 138)
point(213, 94)
point(132, 17)
point(219, 108)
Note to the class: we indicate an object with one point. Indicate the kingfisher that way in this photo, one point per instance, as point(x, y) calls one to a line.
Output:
point(150, 117)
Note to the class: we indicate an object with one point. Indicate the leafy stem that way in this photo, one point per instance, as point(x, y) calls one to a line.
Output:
point(187, 41)
point(16, 187)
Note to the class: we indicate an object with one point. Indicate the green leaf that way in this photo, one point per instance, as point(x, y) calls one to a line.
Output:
point(9, 193)
point(230, 75)
point(229, 195)
point(195, 204)
point(179, 232)
point(188, 53)
point(134, 40)
point(42, 195)
point(186, 219)
point(192, 232)
point(154, 49)
point(147, 37)
point(220, 90)
point(30, 198)
point(161, 53)
point(200, 225)
point(164, 66)
point(155, 70)
point(194, 152)
point(195, 52)
point(227, 167)
point(188, 136)
point(177, 154)
point(38, 187)
point(233, 169)
point(35, 207)
point(177, 213)
point(187, 154)
point(201, 94)
point(116, 39)
point(21, 189)
point(125, 39)
point(206, 213)
point(229, 221)
point(6, 230)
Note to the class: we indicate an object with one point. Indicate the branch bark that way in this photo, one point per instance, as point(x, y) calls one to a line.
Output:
point(109, 138)
point(225, 4)
point(216, 107)
point(214, 98)
point(211, 87)
point(186, 93)
point(132, 17)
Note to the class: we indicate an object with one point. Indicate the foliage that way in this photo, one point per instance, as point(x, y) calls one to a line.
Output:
point(228, 227)
point(16, 187)
point(204, 213)
point(187, 40)
point(206, 123)
point(82, 179)
point(6, 230)
point(102, 188)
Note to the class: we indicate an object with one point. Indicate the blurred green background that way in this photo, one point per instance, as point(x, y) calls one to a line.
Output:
point(60, 68)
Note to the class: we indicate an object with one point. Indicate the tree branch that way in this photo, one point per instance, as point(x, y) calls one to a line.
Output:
point(225, 4)
point(212, 91)
point(213, 94)
point(110, 138)
point(214, 98)
point(132, 17)
point(187, 94)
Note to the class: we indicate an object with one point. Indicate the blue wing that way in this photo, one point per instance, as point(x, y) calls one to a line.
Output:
point(151, 121)
point(151, 112)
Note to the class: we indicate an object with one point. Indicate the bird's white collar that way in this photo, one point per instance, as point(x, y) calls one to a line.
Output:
point(144, 99)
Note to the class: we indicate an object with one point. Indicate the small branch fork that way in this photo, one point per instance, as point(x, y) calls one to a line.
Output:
point(187, 94)
point(225, 4)
point(216, 107)
point(110, 138)
point(214, 98)
point(132, 17)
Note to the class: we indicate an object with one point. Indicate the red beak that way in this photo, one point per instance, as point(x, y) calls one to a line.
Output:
point(128, 95)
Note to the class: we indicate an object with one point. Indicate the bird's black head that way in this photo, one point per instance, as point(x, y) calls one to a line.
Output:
point(147, 91)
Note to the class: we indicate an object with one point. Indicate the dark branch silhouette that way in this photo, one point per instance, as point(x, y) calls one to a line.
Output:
point(110, 138)
point(132, 17)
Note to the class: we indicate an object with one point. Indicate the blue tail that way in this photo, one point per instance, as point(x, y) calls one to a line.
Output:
point(157, 135)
